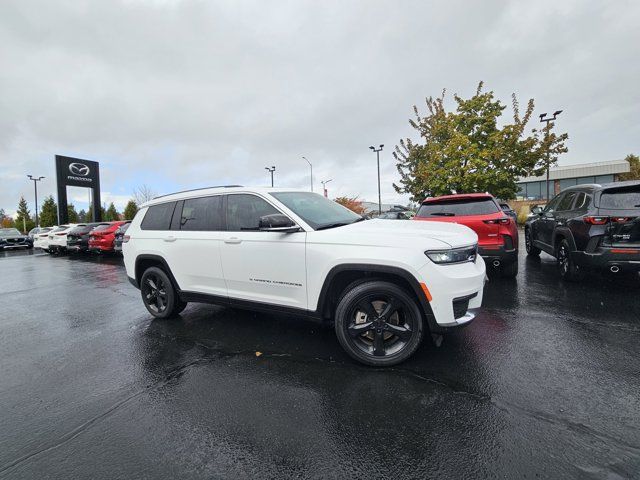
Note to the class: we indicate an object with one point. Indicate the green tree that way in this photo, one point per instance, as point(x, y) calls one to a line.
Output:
point(49, 213)
point(82, 215)
point(71, 212)
point(23, 220)
point(88, 218)
point(467, 151)
point(111, 214)
point(634, 170)
point(103, 213)
point(130, 210)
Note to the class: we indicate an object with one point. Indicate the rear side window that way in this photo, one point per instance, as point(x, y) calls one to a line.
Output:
point(621, 198)
point(582, 202)
point(566, 202)
point(458, 208)
point(158, 217)
point(202, 214)
point(244, 212)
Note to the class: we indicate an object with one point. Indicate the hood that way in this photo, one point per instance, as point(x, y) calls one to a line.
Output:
point(408, 233)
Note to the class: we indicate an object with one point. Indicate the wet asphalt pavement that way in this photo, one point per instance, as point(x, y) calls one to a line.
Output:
point(545, 384)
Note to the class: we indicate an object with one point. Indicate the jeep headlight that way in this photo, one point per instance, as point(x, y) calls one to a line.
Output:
point(453, 255)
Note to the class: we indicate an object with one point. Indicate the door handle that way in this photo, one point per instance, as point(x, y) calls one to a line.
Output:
point(169, 239)
point(233, 240)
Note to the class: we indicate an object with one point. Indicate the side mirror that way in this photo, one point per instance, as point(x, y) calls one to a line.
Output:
point(536, 210)
point(277, 223)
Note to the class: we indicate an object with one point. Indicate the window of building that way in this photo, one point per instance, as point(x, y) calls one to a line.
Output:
point(604, 179)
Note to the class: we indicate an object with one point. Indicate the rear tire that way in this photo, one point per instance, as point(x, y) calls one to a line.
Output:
point(158, 294)
point(566, 265)
point(532, 250)
point(378, 323)
point(510, 270)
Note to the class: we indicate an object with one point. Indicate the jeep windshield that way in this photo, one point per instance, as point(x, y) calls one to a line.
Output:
point(319, 212)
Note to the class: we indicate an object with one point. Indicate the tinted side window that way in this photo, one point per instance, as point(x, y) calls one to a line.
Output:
point(158, 217)
point(566, 202)
point(582, 201)
point(244, 212)
point(553, 204)
point(202, 214)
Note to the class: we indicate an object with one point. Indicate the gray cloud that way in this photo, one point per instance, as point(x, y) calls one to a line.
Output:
point(181, 94)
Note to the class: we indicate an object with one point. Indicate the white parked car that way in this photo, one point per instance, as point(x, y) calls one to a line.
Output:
point(41, 239)
point(58, 237)
point(383, 284)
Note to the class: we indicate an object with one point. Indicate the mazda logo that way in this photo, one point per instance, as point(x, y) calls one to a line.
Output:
point(79, 169)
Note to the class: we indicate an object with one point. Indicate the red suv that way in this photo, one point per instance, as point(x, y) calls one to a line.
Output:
point(497, 232)
point(102, 237)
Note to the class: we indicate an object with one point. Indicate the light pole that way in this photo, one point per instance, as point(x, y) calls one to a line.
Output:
point(547, 128)
point(378, 150)
point(271, 170)
point(324, 186)
point(35, 186)
point(311, 167)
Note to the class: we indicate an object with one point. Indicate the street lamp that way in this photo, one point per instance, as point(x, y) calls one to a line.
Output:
point(378, 150)
point(324, 186)
point(271, 170)
point(311, 167)
point(547, 128)
point(35, 186)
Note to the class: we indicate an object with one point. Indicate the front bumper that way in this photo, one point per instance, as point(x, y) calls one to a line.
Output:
point(456, 292)
point(15, 245)
point(625, 259)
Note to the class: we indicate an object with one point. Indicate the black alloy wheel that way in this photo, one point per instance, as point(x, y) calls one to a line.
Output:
point(379, 323)
point(528, 243)
point(566, 266)
point(158, 294)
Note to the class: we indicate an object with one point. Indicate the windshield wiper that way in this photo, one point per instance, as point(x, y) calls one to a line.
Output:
point(338, 224)
point(443, 214)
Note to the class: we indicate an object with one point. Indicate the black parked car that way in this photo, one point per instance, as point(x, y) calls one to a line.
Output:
point(12, 238)
point(589, 226)
point(119, 235)
point(78, 237)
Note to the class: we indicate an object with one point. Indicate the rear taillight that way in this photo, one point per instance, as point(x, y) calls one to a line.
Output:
point(619, 219)
point(501, 221)
point(596, 220)
point(125, 239)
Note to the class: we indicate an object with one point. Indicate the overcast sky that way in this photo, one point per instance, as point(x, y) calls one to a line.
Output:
point(186, 94)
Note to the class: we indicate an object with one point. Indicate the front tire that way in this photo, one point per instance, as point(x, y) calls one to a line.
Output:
point(379, 324)
point(158, 294)
point(566, 265)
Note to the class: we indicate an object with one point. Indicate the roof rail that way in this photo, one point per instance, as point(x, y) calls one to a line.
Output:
point(196, 189)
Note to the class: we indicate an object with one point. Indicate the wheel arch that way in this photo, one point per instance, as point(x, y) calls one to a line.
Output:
point(145, 261)
point(563, 234)
point(341, 276)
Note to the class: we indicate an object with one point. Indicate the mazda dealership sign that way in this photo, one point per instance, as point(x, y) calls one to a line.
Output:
point(75, 172)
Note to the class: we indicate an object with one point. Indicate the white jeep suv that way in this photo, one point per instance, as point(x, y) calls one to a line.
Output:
point(384, 284)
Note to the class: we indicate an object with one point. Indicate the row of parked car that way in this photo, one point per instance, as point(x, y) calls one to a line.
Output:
point(97, 237)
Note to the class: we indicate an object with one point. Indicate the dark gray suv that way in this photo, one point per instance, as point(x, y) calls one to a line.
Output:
point(589, 226)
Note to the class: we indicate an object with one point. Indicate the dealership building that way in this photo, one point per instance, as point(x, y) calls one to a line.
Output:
point(534, 188)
